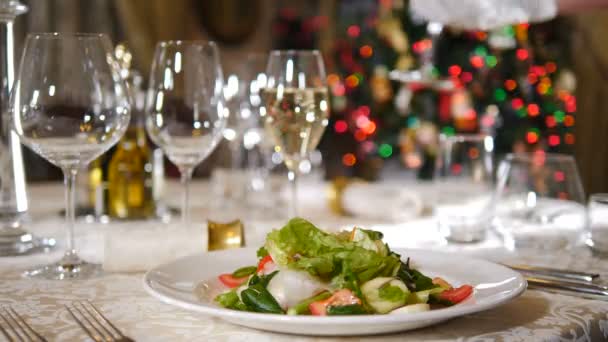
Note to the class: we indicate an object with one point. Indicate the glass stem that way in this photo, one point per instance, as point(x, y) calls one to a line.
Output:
point(69, 175)
point(186, 176)
point(293, 179)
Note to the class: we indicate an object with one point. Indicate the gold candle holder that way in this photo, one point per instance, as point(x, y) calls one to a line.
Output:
point(225, 235)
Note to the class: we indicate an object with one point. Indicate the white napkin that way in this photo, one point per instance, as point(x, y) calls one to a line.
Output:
point(139, 247)
point(381, 201)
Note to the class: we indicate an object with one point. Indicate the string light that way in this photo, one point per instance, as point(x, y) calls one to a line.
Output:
point(532, 137)
point(559, 176)
point(550, 121)
point(353, 31)
point(448, 130)
point(340, 126)
point(477, 61)
point(366, 51)
point(466, 77)
point(517, 103)
point(456, 169)
point(569, 120)
point(360, 135)
point(510, 85)
point(559, 116)
point(352, 81)
point(522, 54)
point(491, 61)
point(533, 109)
point(569, 138)
point(551, 67)
point(553, 140)
point(454, 70)
point(500, 95)
point(349, 159)
point(385, 150)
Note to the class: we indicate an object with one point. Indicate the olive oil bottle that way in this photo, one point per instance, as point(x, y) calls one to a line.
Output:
point(130, 170)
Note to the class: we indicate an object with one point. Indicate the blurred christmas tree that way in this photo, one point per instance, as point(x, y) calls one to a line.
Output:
point(510, 83)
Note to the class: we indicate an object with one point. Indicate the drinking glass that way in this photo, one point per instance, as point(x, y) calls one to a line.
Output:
point(540, 201)
point(69, 105)
point(464, 186)
point(597, 224)
point(296, 108)
point(185, 113)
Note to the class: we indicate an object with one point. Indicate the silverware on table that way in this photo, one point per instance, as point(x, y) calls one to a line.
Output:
point(95, 324)
point(586, 290)
point(15, 328)
point(578, 276)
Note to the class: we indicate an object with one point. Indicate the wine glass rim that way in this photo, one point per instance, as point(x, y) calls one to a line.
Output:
point(465, 137)
point(178, 42)
point(58, 35)
point(292, 52)
point(531, 156)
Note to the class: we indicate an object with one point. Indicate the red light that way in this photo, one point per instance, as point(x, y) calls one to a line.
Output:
point(569, 121)
point(341, 126)
point(538, 70)
point(338, 89)
point(559, 176)
point(352, 81)
point(554, 140)
point(364, 110)
point(349, 159)
point(522, 54)
point(531, 137)
point(454, 70)
point(353, 31)
point(570, 104)
point(550, 121)
point(360, 135)
point(361, 121)
point(533, 109)
point(422, 45)
point(369, 128)
point(477, 61)
point(510, 85)
point(366, 51)
point(456, 169)
point(466, 77)
point(551, 67)
point(569, 138)
point(517, 103)
point(532, 78)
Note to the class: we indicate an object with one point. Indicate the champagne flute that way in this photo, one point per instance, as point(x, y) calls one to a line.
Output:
point(185, 113)
point(296, 108)
point(69, 105)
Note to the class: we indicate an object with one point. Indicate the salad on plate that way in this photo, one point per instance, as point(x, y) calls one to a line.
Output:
point(303, 270)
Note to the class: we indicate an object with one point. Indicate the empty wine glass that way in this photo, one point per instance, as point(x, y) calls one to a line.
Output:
point(69, 105)
point(540, 201)
point(296, 108)
point(185, 113)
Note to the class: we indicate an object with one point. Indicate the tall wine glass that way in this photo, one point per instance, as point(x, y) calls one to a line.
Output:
point(185, 111)
point(296, 108)
point(69, 105)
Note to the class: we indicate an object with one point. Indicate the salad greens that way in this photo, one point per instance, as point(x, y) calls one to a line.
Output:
point(352, 272)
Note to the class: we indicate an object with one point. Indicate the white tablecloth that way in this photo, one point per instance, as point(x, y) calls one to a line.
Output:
point(535, 316)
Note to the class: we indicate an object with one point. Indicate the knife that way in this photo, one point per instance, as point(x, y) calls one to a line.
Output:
point(584, 290)
point(555, 273)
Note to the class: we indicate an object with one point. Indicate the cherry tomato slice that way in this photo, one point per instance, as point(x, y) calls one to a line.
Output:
point(457, 295)
point(264, 263)
point(230, 281)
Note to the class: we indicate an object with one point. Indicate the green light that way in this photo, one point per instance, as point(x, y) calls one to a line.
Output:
point(559, 116)
point(521, 112)
point(500, 94)
point(491, 61)
point(481, 51)
point(508, 30)
point(448, 130)
point(385, 150)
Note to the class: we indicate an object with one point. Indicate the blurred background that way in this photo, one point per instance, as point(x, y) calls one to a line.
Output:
point(533, 86)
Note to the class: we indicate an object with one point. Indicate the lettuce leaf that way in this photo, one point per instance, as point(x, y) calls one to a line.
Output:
point(301, 245)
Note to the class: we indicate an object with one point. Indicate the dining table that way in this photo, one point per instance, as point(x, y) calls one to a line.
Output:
point(537, 315)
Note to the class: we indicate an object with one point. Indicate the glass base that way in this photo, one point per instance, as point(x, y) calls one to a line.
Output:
point(69, 267)
point(462, 233)
point(16, 241)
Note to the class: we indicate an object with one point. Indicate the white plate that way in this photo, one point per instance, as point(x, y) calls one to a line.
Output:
point(179, 283)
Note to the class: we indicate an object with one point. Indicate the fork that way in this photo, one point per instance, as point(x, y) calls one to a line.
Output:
point(17, 328)
point(95, 324)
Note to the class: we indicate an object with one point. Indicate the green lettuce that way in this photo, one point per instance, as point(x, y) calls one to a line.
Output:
point(302, 246)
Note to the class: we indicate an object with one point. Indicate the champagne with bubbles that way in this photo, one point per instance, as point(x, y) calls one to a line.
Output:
point(295, 119)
